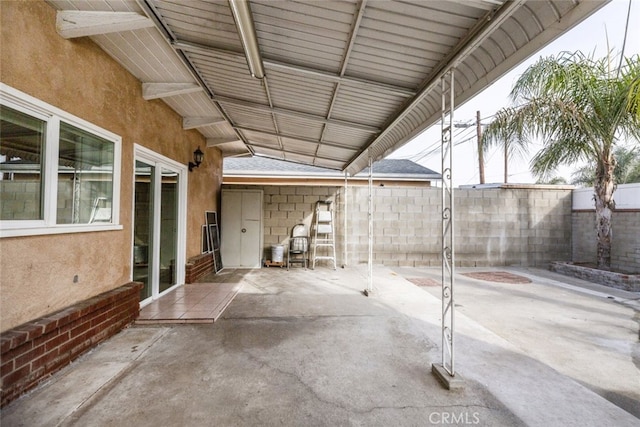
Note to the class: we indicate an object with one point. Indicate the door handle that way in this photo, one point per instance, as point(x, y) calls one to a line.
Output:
point(244, 230)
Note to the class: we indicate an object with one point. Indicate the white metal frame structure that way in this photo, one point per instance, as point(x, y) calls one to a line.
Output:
point(448, 242)
point(369, 291)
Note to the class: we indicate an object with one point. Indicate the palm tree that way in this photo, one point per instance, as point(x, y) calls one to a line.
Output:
point(580, 108)
point(627, 168)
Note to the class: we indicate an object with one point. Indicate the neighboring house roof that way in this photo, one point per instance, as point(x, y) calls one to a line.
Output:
point(264, 167)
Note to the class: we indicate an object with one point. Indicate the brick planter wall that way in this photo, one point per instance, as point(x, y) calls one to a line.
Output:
point(627, 282)
point(197, 267)
point(34, 350)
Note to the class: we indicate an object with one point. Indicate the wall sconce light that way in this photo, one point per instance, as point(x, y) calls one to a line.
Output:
point(198, 157)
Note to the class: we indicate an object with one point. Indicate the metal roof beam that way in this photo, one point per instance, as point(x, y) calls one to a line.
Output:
point(479, 4)
point(295, 138)
point(75, 23)
point(299, 153)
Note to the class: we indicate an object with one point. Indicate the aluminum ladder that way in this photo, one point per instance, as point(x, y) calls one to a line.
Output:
point(324, 234)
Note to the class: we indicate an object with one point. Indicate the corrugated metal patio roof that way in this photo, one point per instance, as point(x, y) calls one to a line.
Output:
point(339, 80)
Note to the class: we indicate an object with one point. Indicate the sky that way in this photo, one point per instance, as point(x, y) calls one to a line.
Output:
point(590, 36)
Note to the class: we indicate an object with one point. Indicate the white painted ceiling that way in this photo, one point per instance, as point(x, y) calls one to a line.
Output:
point(344, 80)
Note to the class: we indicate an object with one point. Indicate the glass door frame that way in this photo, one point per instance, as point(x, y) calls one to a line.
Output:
point(161, 162)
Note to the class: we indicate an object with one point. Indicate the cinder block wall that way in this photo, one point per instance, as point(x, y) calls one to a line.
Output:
point(583, 241)
point(498, 226)
point(625, 248)
point(286, 206)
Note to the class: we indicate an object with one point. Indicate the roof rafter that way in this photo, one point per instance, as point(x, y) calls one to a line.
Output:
point(74, 23)
point(198, 122)
point(213, 142)
point(163, 90)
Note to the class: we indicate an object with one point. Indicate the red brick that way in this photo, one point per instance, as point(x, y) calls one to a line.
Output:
point(27, 358)
point(18, 351)
point(48, 325)
point(15, 376)
point(56, 341)
point(16, 338)
point(74, 342)
point(6, 367)
point(80, 329)
point(74, 324)
point(57, 363)
point(6, 340)
point(45, 360)
point(66, 316)
point(33, 330)
point(99, 319)
point(61, 336)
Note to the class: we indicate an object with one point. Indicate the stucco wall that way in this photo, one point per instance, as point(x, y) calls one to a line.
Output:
point(523, 226)
point(36, 273)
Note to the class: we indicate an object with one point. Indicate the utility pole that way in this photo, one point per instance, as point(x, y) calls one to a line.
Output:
point(480, 148)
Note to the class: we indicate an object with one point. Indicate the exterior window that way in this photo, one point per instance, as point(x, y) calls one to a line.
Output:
point(85, 177)
point(58, 173)
point(21, 165)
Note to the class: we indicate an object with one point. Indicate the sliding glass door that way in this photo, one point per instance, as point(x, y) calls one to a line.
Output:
point(159, 224)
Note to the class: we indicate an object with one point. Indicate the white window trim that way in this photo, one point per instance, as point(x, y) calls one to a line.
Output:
point(25, 103)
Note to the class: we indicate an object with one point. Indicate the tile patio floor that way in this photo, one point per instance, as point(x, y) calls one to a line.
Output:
point(202, 302)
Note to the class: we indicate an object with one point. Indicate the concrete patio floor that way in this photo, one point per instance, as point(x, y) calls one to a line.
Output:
point(306, 348)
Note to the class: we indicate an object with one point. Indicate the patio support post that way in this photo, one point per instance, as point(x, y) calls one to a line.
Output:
point(346, 223)
point(369, 291)
point(445, 372)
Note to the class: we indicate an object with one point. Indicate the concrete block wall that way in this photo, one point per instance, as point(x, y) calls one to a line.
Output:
point(286, 206)
point(20, 199)
point(497, 226)
point(406, 226)
point(625, 249)
point(584, 239)
point(492, 226)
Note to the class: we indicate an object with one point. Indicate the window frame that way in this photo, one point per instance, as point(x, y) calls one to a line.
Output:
point(52, 116)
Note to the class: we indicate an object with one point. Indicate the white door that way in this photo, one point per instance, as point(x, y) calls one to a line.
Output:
point(241, 228)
